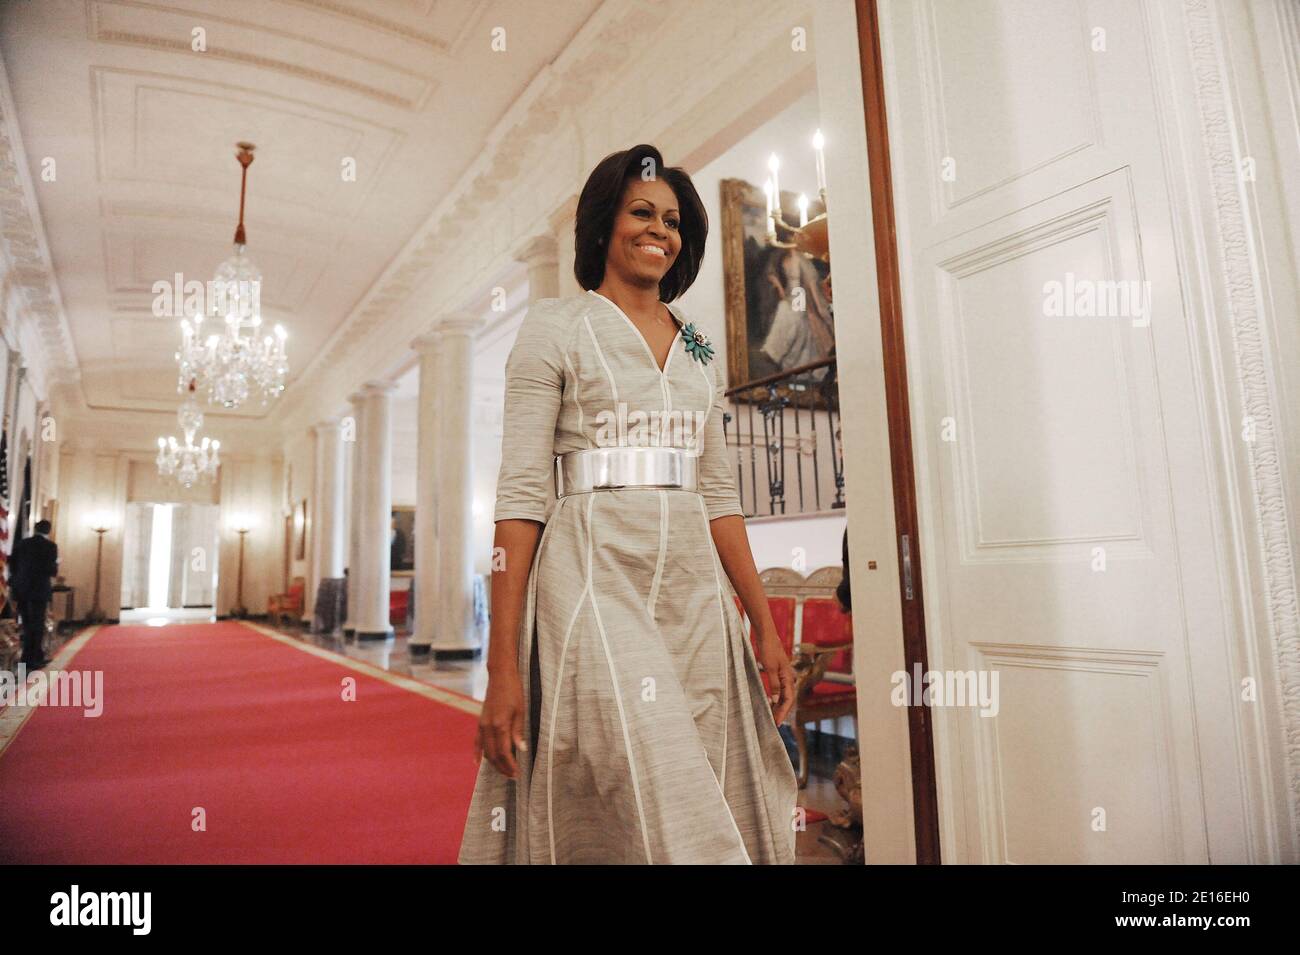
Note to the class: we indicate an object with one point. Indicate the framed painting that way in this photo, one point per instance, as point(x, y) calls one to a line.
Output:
point(300, 520)
point(288, 553)
point(401, 546)
point(778, 306)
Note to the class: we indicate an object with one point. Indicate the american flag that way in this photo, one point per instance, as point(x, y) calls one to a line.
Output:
point(4, 514)
point(4, 487)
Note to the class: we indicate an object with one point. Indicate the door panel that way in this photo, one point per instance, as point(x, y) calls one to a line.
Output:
point(1060, 458)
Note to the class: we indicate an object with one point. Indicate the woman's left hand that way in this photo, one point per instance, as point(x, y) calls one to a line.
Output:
point(780, 675)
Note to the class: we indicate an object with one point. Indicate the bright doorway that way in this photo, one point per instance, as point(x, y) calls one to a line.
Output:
point(169, 565)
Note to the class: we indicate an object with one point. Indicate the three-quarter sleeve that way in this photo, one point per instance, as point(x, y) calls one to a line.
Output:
point(717, 476)
point(534, 387)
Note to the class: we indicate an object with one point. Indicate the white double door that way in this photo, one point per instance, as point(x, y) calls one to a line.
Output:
point(1064, 475)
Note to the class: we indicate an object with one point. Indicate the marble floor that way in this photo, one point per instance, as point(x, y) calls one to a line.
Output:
point(162, 617)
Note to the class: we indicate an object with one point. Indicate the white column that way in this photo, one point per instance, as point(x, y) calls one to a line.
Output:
point(540, 254)
point(351, 435)
point(563, 226)
point(455, 635)
point(426, 581)
point(328, 531)
point(329, 455)
point(370, 618)
point(314, 520)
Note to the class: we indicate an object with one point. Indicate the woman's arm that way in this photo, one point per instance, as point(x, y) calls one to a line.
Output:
point(514, 544)
point(534, 386)
point(500, 726)
point(732, 543)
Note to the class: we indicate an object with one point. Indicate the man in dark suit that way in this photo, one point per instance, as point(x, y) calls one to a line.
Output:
point(396, 546)
point(34, 561)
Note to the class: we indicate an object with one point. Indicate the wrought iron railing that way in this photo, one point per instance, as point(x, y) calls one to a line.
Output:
point(783, 432)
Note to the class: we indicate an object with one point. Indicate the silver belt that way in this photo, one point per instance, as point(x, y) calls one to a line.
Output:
point(606, 468)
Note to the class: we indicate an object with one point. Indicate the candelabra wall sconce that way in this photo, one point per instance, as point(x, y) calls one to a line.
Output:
point(810, 236)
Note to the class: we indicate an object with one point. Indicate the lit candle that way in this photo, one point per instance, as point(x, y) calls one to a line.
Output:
point(774, 165)
point(803, 210)
point(771, 223)
point(819, 143)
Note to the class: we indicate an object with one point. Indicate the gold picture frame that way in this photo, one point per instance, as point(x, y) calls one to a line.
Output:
point(753, 275)
point(302, 529)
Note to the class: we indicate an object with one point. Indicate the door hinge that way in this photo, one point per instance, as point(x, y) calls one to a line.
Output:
point(907, 567)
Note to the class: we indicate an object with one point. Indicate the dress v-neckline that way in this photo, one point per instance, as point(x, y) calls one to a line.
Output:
point(672, 349)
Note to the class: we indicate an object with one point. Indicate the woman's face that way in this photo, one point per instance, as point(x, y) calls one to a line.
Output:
point(647, 220)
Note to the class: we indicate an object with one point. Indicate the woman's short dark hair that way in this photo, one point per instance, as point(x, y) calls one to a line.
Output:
point(598, 205)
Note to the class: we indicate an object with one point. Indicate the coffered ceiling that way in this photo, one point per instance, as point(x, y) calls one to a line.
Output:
point(129, 112)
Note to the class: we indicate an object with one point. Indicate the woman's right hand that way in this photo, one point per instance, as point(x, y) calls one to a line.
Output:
point(501, 724)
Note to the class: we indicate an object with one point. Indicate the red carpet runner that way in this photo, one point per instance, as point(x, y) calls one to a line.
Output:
point(254, 732)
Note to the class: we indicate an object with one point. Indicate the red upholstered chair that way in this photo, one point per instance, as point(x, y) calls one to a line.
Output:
point(823, 664)
point(827, 626)
point(818, 637)
point(279, 606)
point(399, 607)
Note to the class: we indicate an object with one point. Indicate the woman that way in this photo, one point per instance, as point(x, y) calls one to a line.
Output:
point(625, 719)
point(797, 336)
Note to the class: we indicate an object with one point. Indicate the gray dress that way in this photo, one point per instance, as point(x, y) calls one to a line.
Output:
point(651, 739)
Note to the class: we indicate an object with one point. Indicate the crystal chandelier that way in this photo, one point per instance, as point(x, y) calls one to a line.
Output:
point(234, 359)
point(189, 462)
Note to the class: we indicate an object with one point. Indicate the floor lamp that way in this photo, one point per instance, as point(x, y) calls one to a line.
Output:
point(240, 611)
point(97, 614)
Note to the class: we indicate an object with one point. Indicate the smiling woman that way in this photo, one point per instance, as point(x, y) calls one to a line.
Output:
point(625, 719)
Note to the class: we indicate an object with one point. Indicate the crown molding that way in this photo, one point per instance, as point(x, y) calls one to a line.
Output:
point(29, 285)
point(607, 40)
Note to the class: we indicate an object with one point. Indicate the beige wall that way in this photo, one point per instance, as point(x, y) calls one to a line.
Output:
point(107, 458)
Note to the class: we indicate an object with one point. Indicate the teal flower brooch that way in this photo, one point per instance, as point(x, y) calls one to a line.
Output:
point(698, 345)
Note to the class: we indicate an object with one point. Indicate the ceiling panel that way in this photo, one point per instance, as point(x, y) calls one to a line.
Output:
point(142, 127)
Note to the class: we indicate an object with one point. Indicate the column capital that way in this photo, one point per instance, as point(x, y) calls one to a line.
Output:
point(356, 398)
point(326, 426)
point(374, 389)
point(426, 343)
point(539, 250)
point(460, 323)
point(564, 213)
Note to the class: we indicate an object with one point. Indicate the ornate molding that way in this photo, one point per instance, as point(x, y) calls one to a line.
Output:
point(603, 47)
point(31, 274)
point(1252, 371)
point(399, 31)
point(242, 58)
